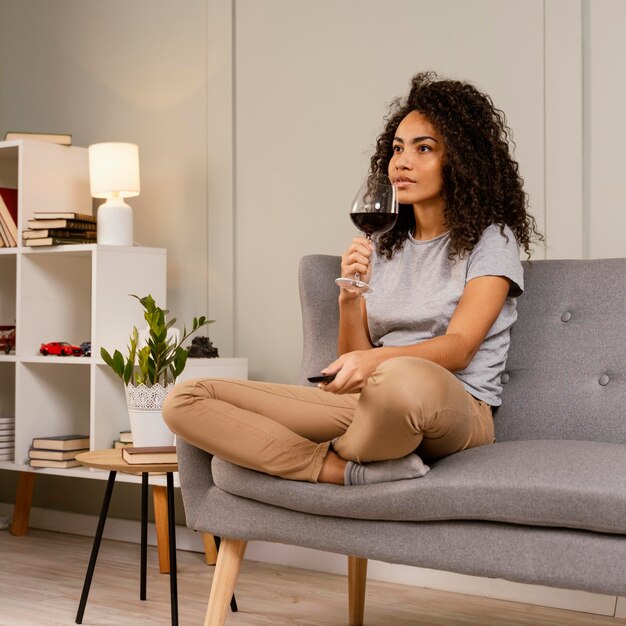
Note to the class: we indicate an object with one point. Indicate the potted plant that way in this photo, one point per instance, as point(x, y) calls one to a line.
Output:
point(149, 371)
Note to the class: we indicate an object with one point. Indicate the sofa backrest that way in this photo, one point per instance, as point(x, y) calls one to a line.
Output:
point(565, 377)
point(320, 312)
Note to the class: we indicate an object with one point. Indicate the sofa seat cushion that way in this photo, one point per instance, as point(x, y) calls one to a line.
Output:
point(574, 484)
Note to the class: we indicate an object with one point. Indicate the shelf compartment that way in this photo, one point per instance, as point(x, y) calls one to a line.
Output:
point(55, 301)
point(51, 400)
point(8, 274)
point(110, 411)
point(7, 389)
point(7, 404)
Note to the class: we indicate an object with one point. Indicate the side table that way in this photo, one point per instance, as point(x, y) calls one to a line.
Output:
point(112, 461)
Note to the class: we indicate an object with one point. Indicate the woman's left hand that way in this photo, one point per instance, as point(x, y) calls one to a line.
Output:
point(353, 369)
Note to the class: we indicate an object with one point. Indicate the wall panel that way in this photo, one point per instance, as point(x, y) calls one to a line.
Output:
point(312, 86)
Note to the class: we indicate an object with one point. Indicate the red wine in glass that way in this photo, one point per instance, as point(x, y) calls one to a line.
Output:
point(374, 211)
point(374, 223)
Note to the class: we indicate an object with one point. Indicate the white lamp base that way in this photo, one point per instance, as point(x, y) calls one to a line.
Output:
point(115, 223)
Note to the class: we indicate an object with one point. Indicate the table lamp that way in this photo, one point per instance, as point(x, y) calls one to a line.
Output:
point(114, 175)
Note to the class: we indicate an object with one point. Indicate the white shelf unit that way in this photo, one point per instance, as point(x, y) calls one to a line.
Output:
point(232, 367)
point(70, 293)
point(77, 293)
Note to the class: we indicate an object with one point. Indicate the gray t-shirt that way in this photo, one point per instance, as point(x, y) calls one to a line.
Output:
point(416, 292)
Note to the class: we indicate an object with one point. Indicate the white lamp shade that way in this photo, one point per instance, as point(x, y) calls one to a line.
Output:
point(114, 170)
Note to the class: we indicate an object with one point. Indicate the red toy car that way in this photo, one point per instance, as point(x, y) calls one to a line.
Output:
point(60, 348)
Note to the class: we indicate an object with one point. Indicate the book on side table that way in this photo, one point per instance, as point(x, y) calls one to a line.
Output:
point(151, 454)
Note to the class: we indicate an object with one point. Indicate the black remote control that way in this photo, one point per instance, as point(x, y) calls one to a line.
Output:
point(322, 378)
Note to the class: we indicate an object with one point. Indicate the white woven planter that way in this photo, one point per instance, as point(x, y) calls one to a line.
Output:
point(146, 418)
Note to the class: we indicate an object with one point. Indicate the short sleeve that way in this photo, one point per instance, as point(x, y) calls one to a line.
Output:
point(497, 254)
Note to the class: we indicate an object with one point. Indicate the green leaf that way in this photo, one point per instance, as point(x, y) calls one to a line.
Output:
point(106, 357)
point(180, 360)
point(118, 364)
point(128, 371)
point(158, 359)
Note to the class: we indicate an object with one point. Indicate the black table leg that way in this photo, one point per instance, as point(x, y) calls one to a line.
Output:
point(96, 546)
point(233, 601)
point(144, 535)
point(171, 524)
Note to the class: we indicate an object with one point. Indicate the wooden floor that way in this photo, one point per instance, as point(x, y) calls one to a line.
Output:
point(41, 576)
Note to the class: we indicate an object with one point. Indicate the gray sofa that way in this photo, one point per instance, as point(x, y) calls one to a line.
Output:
point(545, 504)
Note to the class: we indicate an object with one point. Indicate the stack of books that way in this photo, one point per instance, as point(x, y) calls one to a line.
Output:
point(58, 451)
point(7, 438)
point(8, 217)
point(51, 228)
point(63, 139)
point(125, 440)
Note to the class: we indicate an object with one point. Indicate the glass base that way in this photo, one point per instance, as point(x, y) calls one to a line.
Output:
point(353, 284)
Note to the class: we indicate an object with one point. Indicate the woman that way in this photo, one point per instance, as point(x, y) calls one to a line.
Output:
point(421, 355)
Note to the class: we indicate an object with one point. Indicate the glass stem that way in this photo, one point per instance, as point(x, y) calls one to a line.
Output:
point(357, 275)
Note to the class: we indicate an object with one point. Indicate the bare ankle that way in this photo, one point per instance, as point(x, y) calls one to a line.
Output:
point(333, 469)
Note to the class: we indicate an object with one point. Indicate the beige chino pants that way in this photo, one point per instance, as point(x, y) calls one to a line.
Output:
point(408, 404)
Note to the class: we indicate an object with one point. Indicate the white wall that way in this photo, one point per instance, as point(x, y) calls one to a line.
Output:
point(312, 87)
point(256, 118)
point(605, 100)
point(123, 71)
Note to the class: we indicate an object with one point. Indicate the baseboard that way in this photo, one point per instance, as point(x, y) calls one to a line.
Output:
point(279, 554)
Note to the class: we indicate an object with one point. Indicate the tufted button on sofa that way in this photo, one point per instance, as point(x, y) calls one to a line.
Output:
point(546, 504)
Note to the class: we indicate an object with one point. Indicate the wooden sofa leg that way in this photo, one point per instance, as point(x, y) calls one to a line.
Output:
point(23, 499)
point(357, 576)
point(210, 550)
point(229, 560)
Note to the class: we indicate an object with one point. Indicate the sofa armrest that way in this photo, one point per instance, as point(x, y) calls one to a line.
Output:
point(194, 467)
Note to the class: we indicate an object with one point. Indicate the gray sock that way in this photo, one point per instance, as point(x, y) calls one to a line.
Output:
point(410, 466)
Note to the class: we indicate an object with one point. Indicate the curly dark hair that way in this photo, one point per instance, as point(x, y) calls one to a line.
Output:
point(481, 180)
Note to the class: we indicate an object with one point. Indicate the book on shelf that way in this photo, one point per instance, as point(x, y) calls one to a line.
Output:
point(7, 420)
point(64, 215)
point(59, 232)
point(61, 442)
point(63, 139)
point(4, 236)
point(126, 436)
point(7, 231)
point(8, 210)
point(8, 215)
point(150, 454)
point(6, 444)
point(8, 436)
point(57, 241)
point(48, 463)
point(38, 224)
point(117, 444)
point(54, 455)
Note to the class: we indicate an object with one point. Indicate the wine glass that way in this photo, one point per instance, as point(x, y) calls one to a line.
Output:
point(374, 211)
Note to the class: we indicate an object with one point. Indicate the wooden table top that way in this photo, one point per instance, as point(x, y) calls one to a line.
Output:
point(112, 460)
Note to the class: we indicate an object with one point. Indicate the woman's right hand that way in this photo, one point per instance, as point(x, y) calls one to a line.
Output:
point(356, 259)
